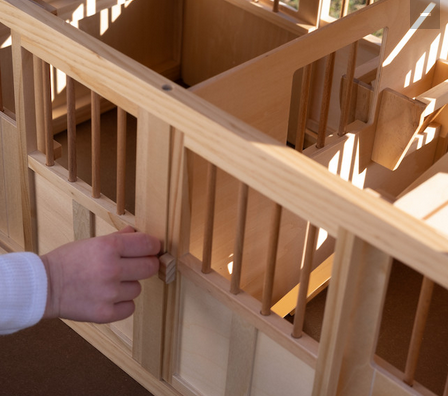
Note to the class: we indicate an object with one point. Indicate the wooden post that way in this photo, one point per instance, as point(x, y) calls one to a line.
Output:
point(303, 109)
point(347, 94)
point(421, 317)
point(275, 6)
point(39, 102)
point(121, 161)
point(305, 272)
point(27, 142)
point(71, 130)
point(239, 238)
point(209, 218)
point(96, 145)
point(48, 116)
point(353, 312)
point(151, 216)
point(268, 285)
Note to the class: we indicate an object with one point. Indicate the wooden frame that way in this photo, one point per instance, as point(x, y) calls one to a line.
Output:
point(236, 124)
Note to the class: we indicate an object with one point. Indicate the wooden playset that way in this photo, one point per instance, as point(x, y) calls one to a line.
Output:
point(281, 151)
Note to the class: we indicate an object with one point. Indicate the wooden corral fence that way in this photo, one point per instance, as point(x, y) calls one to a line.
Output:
point(197, 329)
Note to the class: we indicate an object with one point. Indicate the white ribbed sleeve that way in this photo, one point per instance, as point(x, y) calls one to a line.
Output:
point(23, 291)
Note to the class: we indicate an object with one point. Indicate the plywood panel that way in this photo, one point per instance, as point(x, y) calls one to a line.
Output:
point(54, 216)
point(205, 329)
point(278, 372)
point(219, 36)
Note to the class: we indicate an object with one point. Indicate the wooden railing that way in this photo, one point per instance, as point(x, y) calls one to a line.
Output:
point(367, 227)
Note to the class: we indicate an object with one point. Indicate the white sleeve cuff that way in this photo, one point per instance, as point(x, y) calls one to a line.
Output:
point(23, 291)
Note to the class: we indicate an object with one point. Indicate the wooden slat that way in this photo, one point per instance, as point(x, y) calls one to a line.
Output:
point(347, 94)
point(26, 126)
point(325, 104)
point(271, 258)
point(319, 280)
point(96, 145)
point(151, 216)
point(39, 99)
point(48, 113)
point(209, 218)
point(303, 108)
point(71, 130)
point(121, 161)
point(421, 317)
point(239, 238)
point(305, 272)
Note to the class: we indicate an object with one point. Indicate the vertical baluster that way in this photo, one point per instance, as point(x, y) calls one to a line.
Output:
point(326, 97)
point(305, 272)
point(71, 129)
point(347, 94)
point(239, 238)
point(96, 145)
point(268, 285)
point(39, 103)
point(121, 160)
point(303, 109)
point(275, 6)
point(421, 316)
point(344, 8)
point(48, 116)
point(209, 218)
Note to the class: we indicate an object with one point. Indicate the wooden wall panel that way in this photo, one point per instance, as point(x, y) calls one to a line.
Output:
point(218, 36)
point(54, 216)
point(205, 329)
point(277, 371)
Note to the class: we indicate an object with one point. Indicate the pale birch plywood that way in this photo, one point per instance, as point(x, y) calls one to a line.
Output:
point(276, 368)
point(54, 216)
point(205, 328)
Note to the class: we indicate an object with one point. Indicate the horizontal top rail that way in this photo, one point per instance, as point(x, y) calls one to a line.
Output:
point(285, 176)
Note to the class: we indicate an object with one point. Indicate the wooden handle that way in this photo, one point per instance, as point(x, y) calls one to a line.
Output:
point(167, 268)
